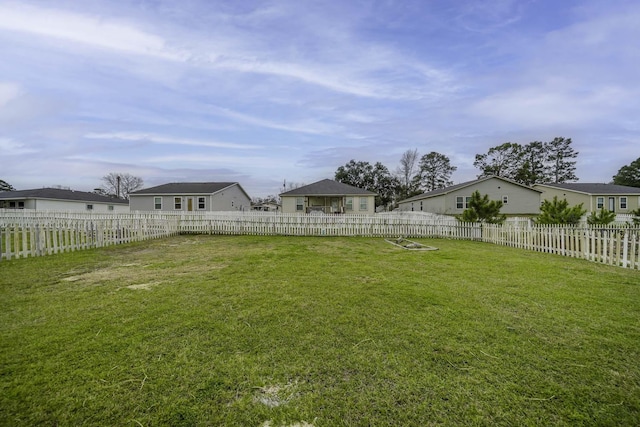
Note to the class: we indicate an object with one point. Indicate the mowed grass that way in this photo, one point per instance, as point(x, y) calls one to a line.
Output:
point(291, 331)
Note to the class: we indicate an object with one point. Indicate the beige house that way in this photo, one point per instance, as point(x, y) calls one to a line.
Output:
point(58, 199)
point(191, 196)
point(329, 197)
point(615, 198)
point(517, 199)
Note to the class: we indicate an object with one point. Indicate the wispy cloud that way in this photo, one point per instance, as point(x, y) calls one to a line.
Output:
point(168, 140)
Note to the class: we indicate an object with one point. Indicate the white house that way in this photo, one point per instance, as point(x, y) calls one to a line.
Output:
point(191, 196)
point(57, 199)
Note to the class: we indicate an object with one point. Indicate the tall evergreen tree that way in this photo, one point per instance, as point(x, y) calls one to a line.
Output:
point(531, 169)
point(560, 167)
point(503, 160)
point(629, 174)
point(435, 172)
point(5, 186)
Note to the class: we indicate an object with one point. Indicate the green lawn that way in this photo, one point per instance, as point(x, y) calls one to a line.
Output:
point(293, 331)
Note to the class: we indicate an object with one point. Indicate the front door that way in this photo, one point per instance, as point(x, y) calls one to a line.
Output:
point(612, 204)
point(190, 204)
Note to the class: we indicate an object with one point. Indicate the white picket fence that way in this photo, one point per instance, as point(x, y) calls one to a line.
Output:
point(26, 233)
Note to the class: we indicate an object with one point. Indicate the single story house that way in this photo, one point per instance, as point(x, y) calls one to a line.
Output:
point(517, 199)
point(58, 199)
point(620, 199)
point(330, 197)
point(191, 196)
point(266, 207)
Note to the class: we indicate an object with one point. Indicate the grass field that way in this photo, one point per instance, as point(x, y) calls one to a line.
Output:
point(281, 331)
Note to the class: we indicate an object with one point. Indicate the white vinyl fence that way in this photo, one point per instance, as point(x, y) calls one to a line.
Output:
point(26, 233)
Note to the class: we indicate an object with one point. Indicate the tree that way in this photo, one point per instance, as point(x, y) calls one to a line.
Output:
point(629, 174)
point(503, 160)
point(532, 165)
point(559, 212)
point(561, 168)
point(481, 209)
point(5, 186)
point(376, 178)
point(602, 217)
point(407, 186)
point(635, 217)
point(435, 172)
point(120, 184)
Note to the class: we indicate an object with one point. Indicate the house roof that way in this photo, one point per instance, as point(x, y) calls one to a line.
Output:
point(448, 190)
point(60, 194)
point(594, 188)
point(328, 187)
point(185, 188)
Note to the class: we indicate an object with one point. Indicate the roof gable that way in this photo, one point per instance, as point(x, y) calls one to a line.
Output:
point(60, 194)
point(328, 187)
point(185, 188)
point(452, 188)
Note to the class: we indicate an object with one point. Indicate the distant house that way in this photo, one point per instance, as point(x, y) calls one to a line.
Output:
point(328, 196)
point(266, 207)
point(517, 199)
point(594, 197)
point(191, 196)
point(57, 199)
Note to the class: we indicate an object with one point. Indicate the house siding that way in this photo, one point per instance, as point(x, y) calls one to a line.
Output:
point(69, 205)
point(589, 201)
point(231, 198)
point(521, 200)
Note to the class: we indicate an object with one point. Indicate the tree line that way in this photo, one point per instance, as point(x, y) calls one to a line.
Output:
point(534, 163)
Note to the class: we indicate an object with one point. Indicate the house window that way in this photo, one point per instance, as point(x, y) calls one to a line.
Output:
point(467, 200)
point(110, 207)
point(157, 203)
point(505, 200)
point(299, 204)
point(459, 202)
point(623, 203)
point(600, 202)
point(177, 203)
point(200, 202)
point(411, 206)
point(349, 204)
point(421, 205)
point(89, 207)
point(363, 203)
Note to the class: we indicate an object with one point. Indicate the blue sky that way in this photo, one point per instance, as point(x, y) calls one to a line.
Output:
point(265, 91)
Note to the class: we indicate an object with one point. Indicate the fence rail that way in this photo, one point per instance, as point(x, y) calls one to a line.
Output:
point(34, 233)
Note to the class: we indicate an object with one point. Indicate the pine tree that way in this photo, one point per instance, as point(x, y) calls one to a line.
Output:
point(481, 209)
point(559, 212)
point(561, 168)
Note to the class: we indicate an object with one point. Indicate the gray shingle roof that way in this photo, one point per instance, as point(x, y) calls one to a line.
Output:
point(595, 188)
point(328, 187)
point(185, 188)
point(60, 194)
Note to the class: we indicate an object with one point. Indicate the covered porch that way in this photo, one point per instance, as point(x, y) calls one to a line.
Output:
point(326, 204)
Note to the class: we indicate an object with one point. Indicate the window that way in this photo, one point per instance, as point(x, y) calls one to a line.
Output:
point(349, 203)
point(467, 200)
point(363, 203)
point(157, 203)
point(421, 205)
point(110, 207)
point(201, 203)
point(505, 200)
point(299, 203)
point(177, 203)
point(623, 203)
point(89, 207)
point(600, 202)
point(459, 202)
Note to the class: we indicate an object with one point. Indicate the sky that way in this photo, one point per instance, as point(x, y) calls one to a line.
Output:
point(271, 92)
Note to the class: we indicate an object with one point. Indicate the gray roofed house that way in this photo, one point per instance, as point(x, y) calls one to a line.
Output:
point(191, 196)
point(517, 199)
point(61, 199)
point(328, 196)
point(594, 196)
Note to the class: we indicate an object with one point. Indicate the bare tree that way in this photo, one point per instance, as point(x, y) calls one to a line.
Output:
point(120, 184)
point(406, 172)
